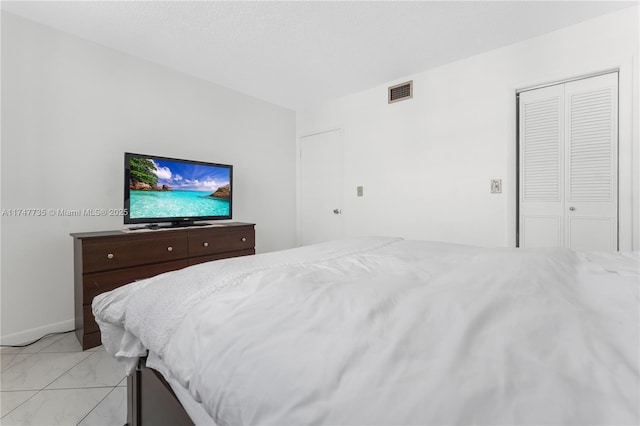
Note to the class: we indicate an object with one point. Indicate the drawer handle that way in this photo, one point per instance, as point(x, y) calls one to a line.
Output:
point(110, 256)
point(244, 239)
point(169, 248)
point(205, 244)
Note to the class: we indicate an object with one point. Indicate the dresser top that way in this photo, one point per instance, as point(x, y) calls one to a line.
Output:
point(126, 231)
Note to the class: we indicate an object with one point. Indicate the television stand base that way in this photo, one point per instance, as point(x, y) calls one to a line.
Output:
point(186, 224)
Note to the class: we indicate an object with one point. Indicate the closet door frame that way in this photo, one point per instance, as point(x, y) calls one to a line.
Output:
point(623, 173)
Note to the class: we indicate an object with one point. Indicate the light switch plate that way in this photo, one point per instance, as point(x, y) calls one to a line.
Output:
point(496, 186)
point(360, 191)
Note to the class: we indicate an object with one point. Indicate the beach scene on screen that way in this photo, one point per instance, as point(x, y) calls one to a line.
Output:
point(164, 188)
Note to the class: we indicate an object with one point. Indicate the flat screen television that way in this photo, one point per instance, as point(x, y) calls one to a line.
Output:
point(175, 192)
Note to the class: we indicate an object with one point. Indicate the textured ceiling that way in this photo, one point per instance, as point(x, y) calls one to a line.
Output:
point(298, 53)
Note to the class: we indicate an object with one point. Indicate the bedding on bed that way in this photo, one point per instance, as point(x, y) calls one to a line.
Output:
point(392, 332)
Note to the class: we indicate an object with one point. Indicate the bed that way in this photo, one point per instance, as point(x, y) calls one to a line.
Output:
point(384, 331)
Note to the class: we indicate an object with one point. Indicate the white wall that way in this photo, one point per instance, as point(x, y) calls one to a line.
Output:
point(426, 163)
point(70, 109)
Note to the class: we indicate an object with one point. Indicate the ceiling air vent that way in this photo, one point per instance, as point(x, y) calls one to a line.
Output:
point(400, 92)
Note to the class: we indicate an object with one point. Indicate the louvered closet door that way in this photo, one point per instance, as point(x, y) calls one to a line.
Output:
point(591, 167)
point(541, 167)
point(568, 165)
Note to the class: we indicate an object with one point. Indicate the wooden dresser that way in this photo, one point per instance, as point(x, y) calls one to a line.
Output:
point(107, 260)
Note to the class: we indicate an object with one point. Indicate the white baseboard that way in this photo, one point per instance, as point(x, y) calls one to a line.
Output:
point(27, 336)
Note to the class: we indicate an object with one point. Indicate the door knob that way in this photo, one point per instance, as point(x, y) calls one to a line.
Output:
point(572, 208)
point(336, 211)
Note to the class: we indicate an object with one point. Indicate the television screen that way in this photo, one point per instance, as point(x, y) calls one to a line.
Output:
point(161, 189)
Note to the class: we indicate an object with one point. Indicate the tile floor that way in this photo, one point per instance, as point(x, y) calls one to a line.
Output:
point(53, 382)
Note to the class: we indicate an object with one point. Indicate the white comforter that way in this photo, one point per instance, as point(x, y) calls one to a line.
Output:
point(392, 332)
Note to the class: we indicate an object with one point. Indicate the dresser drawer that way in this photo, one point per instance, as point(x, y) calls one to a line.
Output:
point(103, 254)
point(228, 255)
point(99, 282)
point(204, 242)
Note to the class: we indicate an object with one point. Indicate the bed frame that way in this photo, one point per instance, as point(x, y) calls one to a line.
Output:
point(151, 401)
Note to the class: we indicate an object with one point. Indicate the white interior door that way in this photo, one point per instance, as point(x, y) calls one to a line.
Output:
point(568, 165)
point(321, 187)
